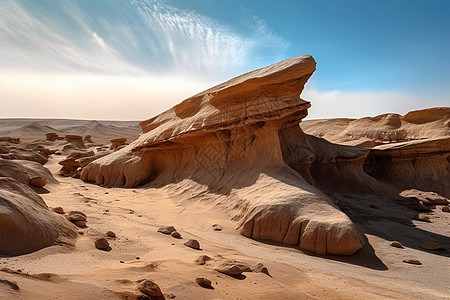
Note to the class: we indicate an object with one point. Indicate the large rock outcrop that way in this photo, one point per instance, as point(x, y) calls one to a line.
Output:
point(231, 144)
point(26, 223)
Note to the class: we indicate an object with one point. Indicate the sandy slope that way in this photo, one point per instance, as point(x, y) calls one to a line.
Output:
point(135, 215)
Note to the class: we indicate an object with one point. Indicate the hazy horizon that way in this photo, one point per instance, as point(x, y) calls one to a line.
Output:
point(130, 60)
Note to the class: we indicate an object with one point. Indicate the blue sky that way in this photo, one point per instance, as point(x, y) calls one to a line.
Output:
point(131, 59)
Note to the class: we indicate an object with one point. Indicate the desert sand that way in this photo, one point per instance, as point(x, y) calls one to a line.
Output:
point(289, 211)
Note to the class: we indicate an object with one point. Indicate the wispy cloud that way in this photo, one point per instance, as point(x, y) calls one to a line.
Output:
point(136, 37)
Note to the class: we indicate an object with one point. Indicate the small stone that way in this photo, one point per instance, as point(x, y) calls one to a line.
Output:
point(421, 207)
point(446, 209)
point(171, 296)
point(202, 259)
point(101, 244)
point(149, 288)
point(420, 217)
point(122, 262)
point(79, 223)
point(412, 261)
point(194, 244)
point(373, 206)
point(230, 269)
point(167, 229)
point(38, 181)
point(260, 268)
point(396, 244)
point(111, 234)
point(76, 216)
point(175, 234)
point(204, 282)
point(430, 246)
point(217, 227)
point(58, 210)
point(138, 258)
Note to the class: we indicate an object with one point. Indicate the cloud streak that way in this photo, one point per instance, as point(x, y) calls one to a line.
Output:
point(126, 38)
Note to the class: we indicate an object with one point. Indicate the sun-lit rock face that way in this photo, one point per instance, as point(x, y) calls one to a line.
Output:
point(227, 145)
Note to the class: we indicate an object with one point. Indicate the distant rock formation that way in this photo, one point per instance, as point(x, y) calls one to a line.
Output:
point(10, 140)
point(383, 129)
point(88, 139)
point(52, 136)
point(117, 143)
point(75, 139)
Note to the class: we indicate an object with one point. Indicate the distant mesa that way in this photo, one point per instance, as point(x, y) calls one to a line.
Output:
point(241, 141)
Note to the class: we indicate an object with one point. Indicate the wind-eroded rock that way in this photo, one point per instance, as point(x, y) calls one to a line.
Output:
point(236, 139)
point(26, 223)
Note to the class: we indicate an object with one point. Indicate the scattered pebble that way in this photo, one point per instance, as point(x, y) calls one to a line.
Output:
point(396, 244)
point(202, 259)
point(38, 181)
point(217, 227)
point(167, 229)
point(260, 268)
point(231, 269)
point(58, 210)
point(149, 288)
point(194, 244)
point(412, 261)
point(111, 234)
point(101, 244)
point(373, 206)
point(175, 234)
point(204, 282)
point(446, 209)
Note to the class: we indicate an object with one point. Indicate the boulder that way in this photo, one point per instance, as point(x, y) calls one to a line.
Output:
point(149, 288)
point(204, 282)
point(260, 268)
point(194, 244)
point(38, 181)
point(26, 223)
point(430, 246)
point(102, 244)
point(52, 136)
point(167, 229)
point(202, 259)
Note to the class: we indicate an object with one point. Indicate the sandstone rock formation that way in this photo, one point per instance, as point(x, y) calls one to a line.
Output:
point(88, 139)
point(383, 129)
point(77, 160)
point(25, 154)
point(75, 139)
point(10, 140)
point(117, 143)
point(25, 171)
point(237, 139)
point(52, 136)
point(26, 223)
